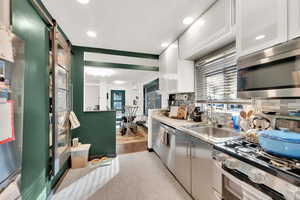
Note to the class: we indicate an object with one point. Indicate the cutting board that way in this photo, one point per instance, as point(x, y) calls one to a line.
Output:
point(182, 112)
point(173, 112)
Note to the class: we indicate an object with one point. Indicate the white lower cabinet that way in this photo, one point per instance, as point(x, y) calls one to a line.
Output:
point(260, 24)
point(293, 19)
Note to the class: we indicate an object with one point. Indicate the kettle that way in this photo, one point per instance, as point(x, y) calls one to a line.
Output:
point(260, 122)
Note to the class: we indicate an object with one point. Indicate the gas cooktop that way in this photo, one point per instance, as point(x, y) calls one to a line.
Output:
point(287, 169)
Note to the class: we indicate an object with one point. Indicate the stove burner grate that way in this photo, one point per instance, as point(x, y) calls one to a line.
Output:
point(279, 161)
point(254, 150)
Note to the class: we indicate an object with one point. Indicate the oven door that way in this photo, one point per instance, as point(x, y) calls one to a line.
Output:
point(235, 189)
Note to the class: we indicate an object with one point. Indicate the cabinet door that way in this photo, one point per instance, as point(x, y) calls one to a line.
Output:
point(183, 160)
point(163, 83)
point(186, 76)
point(162, 72)
point(172, 75)
point(202, 164)
point(260, 24)
point(207, 31)
point(293, 19)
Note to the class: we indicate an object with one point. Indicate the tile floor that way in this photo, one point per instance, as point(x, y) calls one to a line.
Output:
point(141, 176)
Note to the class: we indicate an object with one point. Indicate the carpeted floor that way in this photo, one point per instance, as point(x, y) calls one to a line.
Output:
point(142, 176)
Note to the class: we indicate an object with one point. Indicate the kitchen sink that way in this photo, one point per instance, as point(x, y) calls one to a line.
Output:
point(218, 132)
point(213, 133)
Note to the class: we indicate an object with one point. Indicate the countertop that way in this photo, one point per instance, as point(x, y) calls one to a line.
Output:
point(176, 123)
point(182, 124)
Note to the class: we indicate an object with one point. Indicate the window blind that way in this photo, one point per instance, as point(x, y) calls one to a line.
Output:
point(216, 77)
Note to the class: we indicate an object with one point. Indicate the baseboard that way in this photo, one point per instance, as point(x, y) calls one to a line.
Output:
point(112, 155)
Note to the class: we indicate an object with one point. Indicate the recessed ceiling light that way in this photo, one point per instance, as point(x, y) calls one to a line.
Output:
point(165, 44)
point(188, 20)
point(119, 82)
point(260, 37)
point(92, 34)
point(83, 1)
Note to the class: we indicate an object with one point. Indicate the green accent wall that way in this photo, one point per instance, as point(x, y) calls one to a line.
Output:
point(119, 53)
point(28, 25)
point(96, 128)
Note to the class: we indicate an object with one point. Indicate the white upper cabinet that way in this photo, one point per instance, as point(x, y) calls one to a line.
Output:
point(168, 69)
point(176, 75)
point(293, 19)
point(260, 24)
point(186, 76)
point(163, 87)
point(215, 28)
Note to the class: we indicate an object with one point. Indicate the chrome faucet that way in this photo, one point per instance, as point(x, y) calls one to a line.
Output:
point(212, 120)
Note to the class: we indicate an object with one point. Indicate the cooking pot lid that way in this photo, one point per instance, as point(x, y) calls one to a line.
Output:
point(285, 136)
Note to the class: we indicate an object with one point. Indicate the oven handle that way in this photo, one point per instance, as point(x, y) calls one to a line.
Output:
point(246, 189)
point(217, 196)
point(233, 179)
point(250, 194)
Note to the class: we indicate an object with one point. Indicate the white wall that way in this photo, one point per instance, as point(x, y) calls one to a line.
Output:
point(131, 91)
point(91, 97)
point(96, 94)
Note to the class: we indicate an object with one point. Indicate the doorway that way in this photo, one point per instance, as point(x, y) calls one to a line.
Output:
point(117, 102)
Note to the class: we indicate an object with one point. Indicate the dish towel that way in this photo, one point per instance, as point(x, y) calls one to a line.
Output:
point(161, 139)
point(74, 120)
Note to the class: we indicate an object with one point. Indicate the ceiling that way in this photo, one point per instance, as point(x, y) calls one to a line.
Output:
point(128, 25)
point(130, 77)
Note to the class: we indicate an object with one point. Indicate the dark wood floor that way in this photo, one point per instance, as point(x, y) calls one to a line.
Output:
point(131, 147)
point(131, 143)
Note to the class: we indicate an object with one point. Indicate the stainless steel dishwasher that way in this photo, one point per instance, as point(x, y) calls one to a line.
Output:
point(166, 150)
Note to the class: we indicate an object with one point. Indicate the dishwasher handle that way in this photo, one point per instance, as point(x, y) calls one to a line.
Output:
point(168, 129)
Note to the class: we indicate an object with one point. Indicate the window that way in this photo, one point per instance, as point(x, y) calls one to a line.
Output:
point(216, 77)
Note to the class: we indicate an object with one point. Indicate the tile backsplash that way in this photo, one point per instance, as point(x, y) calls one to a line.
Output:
point(280, 106)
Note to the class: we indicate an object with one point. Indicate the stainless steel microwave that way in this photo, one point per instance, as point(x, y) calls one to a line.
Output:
point(271, 73)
